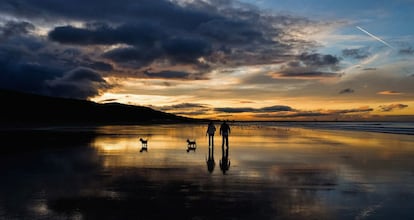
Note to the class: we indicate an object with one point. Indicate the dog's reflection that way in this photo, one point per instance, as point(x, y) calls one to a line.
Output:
point(144, 146)
point(191, 145)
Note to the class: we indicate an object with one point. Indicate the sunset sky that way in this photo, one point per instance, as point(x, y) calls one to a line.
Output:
point(222, 59)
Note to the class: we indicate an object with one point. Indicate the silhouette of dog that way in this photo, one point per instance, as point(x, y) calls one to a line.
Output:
point(144, 145)
point(191, 145)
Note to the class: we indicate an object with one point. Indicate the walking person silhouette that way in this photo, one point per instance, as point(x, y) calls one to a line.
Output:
point(224, 132)
point(211, 129)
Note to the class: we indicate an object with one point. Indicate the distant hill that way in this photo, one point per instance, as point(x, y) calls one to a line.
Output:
point(24, 108)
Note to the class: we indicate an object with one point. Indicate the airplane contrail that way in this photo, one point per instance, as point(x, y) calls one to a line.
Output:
point(375, 37)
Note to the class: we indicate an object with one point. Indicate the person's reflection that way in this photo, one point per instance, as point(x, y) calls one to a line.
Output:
point(225, 162)
point(210, 160)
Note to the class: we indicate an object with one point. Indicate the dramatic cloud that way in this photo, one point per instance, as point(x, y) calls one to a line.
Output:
point(236, 110)
point(186, 50)
point(187, 109)
point(217, 31)
point(346, 91)
point(147, 42)
point(407, 51)
point(102, 33)
point(358, 53)
point(306, 75)
point(164, 52)
point(99, 65)
point(150, 39)
point(178, 75)
point(13, 28)
point(19, 73)
point(392, 107)
point(318, 60)
point(317, 113)
point(310, 65)
point(276, 108)
point(79, 83)
point(160, 11)
point(33, 65)
point(184, 106)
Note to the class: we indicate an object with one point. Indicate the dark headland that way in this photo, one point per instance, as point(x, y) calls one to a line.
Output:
point(19, 108)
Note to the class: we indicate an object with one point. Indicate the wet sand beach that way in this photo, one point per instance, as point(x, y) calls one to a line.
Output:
point(275, 172)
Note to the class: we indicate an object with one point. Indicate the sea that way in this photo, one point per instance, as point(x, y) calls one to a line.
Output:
point(269, 170)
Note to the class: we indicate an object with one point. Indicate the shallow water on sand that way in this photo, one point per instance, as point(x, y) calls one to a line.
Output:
point(274, 173)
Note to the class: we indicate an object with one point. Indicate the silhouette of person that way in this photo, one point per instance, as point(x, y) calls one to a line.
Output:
point(211, 129)
point(225, 162)
point(210, 160)
point(224, 132)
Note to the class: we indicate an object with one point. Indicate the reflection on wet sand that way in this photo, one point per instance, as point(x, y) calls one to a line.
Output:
point(225, 162)
point(276, 173)
point(31, 180)
point(211, 163)
point(144, 145)
point(191, 145)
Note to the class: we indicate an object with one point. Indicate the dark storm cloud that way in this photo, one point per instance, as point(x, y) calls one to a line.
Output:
point(234, 31)
point(17, 34)
point(107, 10)
point(101, 33)
point(30, 64)
point(17, 71)
point(139, 57)
point(13, 28)
point(308, 66)
point(80, 83)
point(167, 75)
point(72, 58)
point(357, 53)
point(186, 50)
point(318, 60)
point(346, 91)
point(392, 107)
point(215, 30)
point(25, 77)
point(99, 65)
point(407, 51)
point(173, 39)
point(176, 50)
